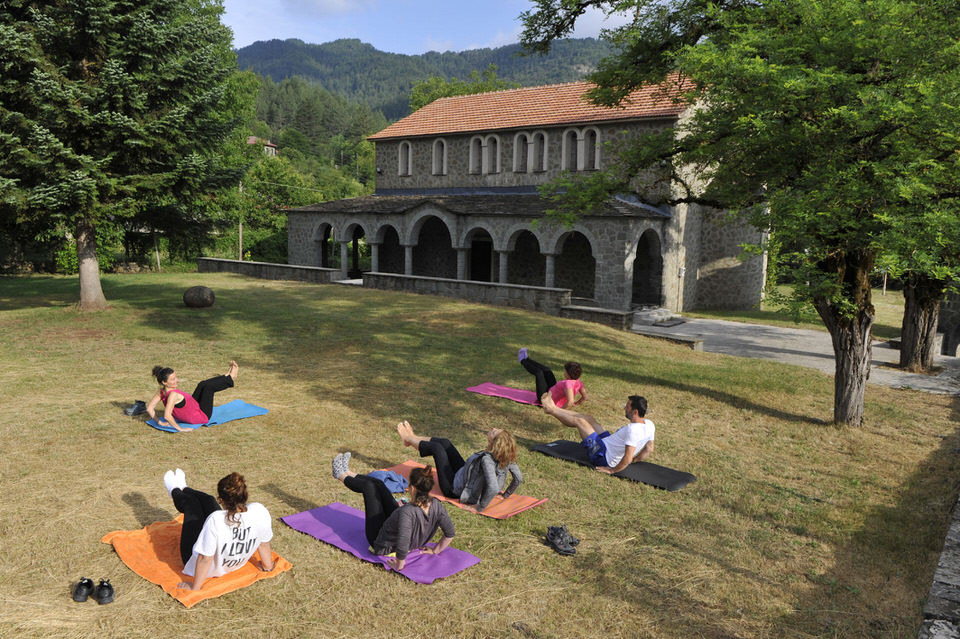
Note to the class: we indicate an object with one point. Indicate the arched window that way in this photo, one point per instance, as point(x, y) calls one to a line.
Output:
point(539, 151)
point(521, 143)
point(570, 150)
point(491, 152)
point(405, 159)
point(591, 149)
point(439, 157)
point(476, 155)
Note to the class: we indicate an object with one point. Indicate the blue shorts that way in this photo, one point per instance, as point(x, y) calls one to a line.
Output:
point(596, 449)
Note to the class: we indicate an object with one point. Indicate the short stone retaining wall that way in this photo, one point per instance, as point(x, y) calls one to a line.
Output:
point(620, 320)
point(941, 614)
point(269, 271)
point(534, 298)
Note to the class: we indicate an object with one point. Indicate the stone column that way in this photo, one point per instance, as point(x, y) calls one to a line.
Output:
point(503, 266)
point(461, 263)
point(344, 258)
point(374, 257)
point(549, 275)
point(408, 259)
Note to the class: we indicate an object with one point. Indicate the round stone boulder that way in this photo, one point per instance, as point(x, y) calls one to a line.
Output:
point(198, 297)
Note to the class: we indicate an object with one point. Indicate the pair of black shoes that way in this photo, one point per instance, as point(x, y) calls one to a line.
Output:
point(136, 408)
point(561, 540)
point(103, 592)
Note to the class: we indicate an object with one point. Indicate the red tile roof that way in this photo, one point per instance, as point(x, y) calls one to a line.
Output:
point(551, 105)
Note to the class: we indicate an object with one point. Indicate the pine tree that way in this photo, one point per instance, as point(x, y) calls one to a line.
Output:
point(110, 107)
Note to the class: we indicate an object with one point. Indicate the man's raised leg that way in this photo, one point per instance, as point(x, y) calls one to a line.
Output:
point(585, 424)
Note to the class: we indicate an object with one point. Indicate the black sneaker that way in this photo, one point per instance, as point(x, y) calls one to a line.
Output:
point(104, 592)
point(137, 408)
point(558, 541)
point(83, 589)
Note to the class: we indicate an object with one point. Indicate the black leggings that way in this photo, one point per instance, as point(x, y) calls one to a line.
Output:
point(205, 390)
point(195, 506)
point(446, 458)
point(378, 503)
point(544, 376)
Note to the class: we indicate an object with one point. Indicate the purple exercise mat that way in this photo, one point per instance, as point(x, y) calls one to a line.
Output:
point(342, 526)
point(496, 390)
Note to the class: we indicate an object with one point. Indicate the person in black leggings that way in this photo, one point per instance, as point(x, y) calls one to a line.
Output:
point(193, 408)
point(479, 478)
point(391, 528)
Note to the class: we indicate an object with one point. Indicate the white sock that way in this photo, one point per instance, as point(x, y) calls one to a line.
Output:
point(170, 481)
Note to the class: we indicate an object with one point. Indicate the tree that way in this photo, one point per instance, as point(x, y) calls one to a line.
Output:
point(434, 88)
point(108, 108)
point(808, 120)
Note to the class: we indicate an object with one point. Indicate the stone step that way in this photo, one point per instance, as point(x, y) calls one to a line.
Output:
point(648, 316)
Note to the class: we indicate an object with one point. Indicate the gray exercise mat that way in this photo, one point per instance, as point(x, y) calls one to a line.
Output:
point(645, 472)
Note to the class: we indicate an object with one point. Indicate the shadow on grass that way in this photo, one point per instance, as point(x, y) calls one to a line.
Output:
point(298, 504)
point(737, 401)
point(145, 512)
point(858, 596)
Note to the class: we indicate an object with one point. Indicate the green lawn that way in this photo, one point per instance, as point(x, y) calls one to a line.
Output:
point(888, 306)
point(794, 528)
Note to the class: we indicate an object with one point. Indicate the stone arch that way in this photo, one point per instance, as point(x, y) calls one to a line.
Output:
point(481, 261)
point(540, 152)
point(522, 147)
point(491, 154)
point(591, 148)
point(433, 252)
point(358, 254)
point(476, 155)
point(390, 251)
point(576, 267)
point(320, 238)
point(405, 158)
point(439, 156)
point(527, 264)
point(647, 285)
point(417, 218)
point(570, 150)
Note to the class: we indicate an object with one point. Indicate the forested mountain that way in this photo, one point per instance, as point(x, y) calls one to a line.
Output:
point(382, 81)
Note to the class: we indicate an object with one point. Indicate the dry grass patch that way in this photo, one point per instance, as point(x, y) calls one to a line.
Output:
point(794, 528)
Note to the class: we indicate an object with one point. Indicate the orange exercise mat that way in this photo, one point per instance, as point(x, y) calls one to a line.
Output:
point(498, 508)
point(153, 552)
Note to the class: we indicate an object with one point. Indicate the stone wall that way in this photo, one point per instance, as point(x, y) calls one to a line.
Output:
point(268, 271)
point(458, 156)
point(949, 325)
point(724, 280)
point(620, 320)
point(534, 298)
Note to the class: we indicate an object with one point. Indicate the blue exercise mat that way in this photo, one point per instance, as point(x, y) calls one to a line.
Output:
point(237, 409)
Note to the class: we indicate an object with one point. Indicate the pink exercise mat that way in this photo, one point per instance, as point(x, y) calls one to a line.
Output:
point(496, 390)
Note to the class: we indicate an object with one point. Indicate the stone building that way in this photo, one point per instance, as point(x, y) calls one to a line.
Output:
point(456, 198)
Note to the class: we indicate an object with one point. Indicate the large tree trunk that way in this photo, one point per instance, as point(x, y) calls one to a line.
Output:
point(850, 334)
point(91, 295)
point(921, 310)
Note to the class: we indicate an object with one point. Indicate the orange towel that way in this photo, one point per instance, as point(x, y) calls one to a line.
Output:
point(153, 553)
point(499, 508)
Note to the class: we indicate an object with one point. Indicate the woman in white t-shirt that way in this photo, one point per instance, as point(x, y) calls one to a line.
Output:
point(219, 534)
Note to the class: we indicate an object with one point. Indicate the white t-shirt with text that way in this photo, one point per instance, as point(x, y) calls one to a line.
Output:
point(231, 545)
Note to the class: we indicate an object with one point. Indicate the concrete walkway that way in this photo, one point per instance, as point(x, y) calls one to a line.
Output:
point(805, 347)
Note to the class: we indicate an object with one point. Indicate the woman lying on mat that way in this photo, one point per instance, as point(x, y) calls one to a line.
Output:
point(391, 528)
point(214, 542)
point(562, 392)
point(478, 479)
point(195, 408)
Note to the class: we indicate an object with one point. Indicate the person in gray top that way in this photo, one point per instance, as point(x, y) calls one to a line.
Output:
point(481, 477)
point(394, 529)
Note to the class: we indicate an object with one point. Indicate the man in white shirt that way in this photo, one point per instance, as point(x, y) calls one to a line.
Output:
point(610, 453)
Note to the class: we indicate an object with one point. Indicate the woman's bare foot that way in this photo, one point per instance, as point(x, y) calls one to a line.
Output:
point(411, 439)
point(234, 370)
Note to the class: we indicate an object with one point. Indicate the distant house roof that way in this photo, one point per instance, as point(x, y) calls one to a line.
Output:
point(551, 105)
point(255, 140)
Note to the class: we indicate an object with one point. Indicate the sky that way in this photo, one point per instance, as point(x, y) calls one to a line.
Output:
point(396, 26)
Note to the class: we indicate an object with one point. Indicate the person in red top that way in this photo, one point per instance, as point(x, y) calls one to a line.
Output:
point(195, 408)
point(563, 392)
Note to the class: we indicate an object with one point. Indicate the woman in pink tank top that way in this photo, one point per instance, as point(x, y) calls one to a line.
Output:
point(189, 408)
point(563, 392)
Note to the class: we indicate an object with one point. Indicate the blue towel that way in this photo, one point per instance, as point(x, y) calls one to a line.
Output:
point(396, 482)
point(237, 409)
